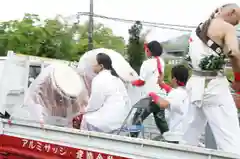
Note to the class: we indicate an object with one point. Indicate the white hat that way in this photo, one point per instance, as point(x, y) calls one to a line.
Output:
point(66, 80)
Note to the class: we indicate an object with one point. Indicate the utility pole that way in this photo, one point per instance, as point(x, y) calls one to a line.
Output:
point(90, 27)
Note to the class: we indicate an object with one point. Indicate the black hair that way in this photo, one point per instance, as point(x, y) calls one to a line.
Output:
point(181, 73)
point(155, 48)
point(105, 60)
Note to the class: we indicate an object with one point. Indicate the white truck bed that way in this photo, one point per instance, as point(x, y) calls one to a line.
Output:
point(124, 147)
point(20, 135)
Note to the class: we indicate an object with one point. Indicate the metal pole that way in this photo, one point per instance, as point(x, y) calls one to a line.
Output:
point(90, 27)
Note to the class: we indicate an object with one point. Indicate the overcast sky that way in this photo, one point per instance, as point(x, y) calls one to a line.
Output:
point(184, 12)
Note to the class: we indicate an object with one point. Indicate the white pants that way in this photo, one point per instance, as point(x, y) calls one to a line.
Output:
point(220, 112)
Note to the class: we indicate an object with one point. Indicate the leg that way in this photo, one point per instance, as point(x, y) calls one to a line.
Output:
point(209, 138)
point(159, 117)
point(196, 127)
point(138, 118)
point(223, 120)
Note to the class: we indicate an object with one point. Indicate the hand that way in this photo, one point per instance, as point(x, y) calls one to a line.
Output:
point(160, 79)
point(236, 86)
point(138, 83)
point(77, 122)
point(154, 97)
point(236, 98)
point(152, 94)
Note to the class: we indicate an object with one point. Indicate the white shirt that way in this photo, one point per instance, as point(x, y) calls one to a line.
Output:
point(178, 110)
point(149, 73)
point(109, 103)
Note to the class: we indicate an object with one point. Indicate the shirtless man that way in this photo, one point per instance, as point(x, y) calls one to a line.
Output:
point(211, 98)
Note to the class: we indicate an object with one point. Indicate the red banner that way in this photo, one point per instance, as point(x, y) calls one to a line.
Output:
point(37, 148)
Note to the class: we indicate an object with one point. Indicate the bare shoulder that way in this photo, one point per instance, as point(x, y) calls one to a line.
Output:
point(218, 29)
point(222, 26)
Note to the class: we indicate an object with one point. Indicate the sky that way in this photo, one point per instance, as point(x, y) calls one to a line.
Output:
point(183, 12)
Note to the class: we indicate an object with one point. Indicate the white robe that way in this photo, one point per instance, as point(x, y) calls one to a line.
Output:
point(121, 66)
point(149, 73)
point(41, 102)
point(213, 104)
point(178, 111)
point(108, 105)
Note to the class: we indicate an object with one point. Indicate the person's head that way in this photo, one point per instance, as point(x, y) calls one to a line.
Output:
point(229, 12)
point(103, 62)
point(153, 48)
point(180, 75)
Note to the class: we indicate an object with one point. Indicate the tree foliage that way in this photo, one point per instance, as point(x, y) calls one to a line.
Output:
point(135, 49)
point(54, 38)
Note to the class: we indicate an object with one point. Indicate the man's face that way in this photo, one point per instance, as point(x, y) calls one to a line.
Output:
point(96, 67)
point(234, 16)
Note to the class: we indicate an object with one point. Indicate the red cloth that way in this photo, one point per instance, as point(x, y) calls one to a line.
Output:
point(138, 83)
point(237, 76)
point(154, 97)
point(180, 83)
point(159, 66)
point(166, 87)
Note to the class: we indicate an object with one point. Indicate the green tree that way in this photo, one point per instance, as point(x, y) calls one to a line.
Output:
point(54, 38)
point(103, 37)
point(135, 51)
point(34, 37)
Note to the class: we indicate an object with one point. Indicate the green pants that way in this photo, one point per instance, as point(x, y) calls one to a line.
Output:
point(159, 117)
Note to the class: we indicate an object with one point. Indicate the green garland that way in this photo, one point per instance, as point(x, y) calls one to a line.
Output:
point(212, 63)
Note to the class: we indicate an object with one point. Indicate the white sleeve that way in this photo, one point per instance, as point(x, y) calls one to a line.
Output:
point(147, 70)
point(162, 65)
point(176, 100)
point(97, 96)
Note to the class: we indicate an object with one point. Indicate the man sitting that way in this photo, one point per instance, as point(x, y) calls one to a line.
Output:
point(177, 103)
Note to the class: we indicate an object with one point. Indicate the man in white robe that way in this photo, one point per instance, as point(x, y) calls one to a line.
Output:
point(109, 103)
point(210, 96)
point(149, 72)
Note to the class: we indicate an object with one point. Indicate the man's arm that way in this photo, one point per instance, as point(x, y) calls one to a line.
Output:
point(162, 103)
point(175, 101)
point(141, 81)
point(98, 95)
point(231, 41)
point(165, 86)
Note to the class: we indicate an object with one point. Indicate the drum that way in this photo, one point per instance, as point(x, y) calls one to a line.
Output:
point(67, 91)
point(121, 66)
point(60, 94)
point(66, 81)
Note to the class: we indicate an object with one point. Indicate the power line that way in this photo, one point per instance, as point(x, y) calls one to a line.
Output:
point(143, 22)
point(184, 28)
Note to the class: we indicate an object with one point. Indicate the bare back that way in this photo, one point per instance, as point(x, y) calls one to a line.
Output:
point(225, 35)
point(216, 32)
